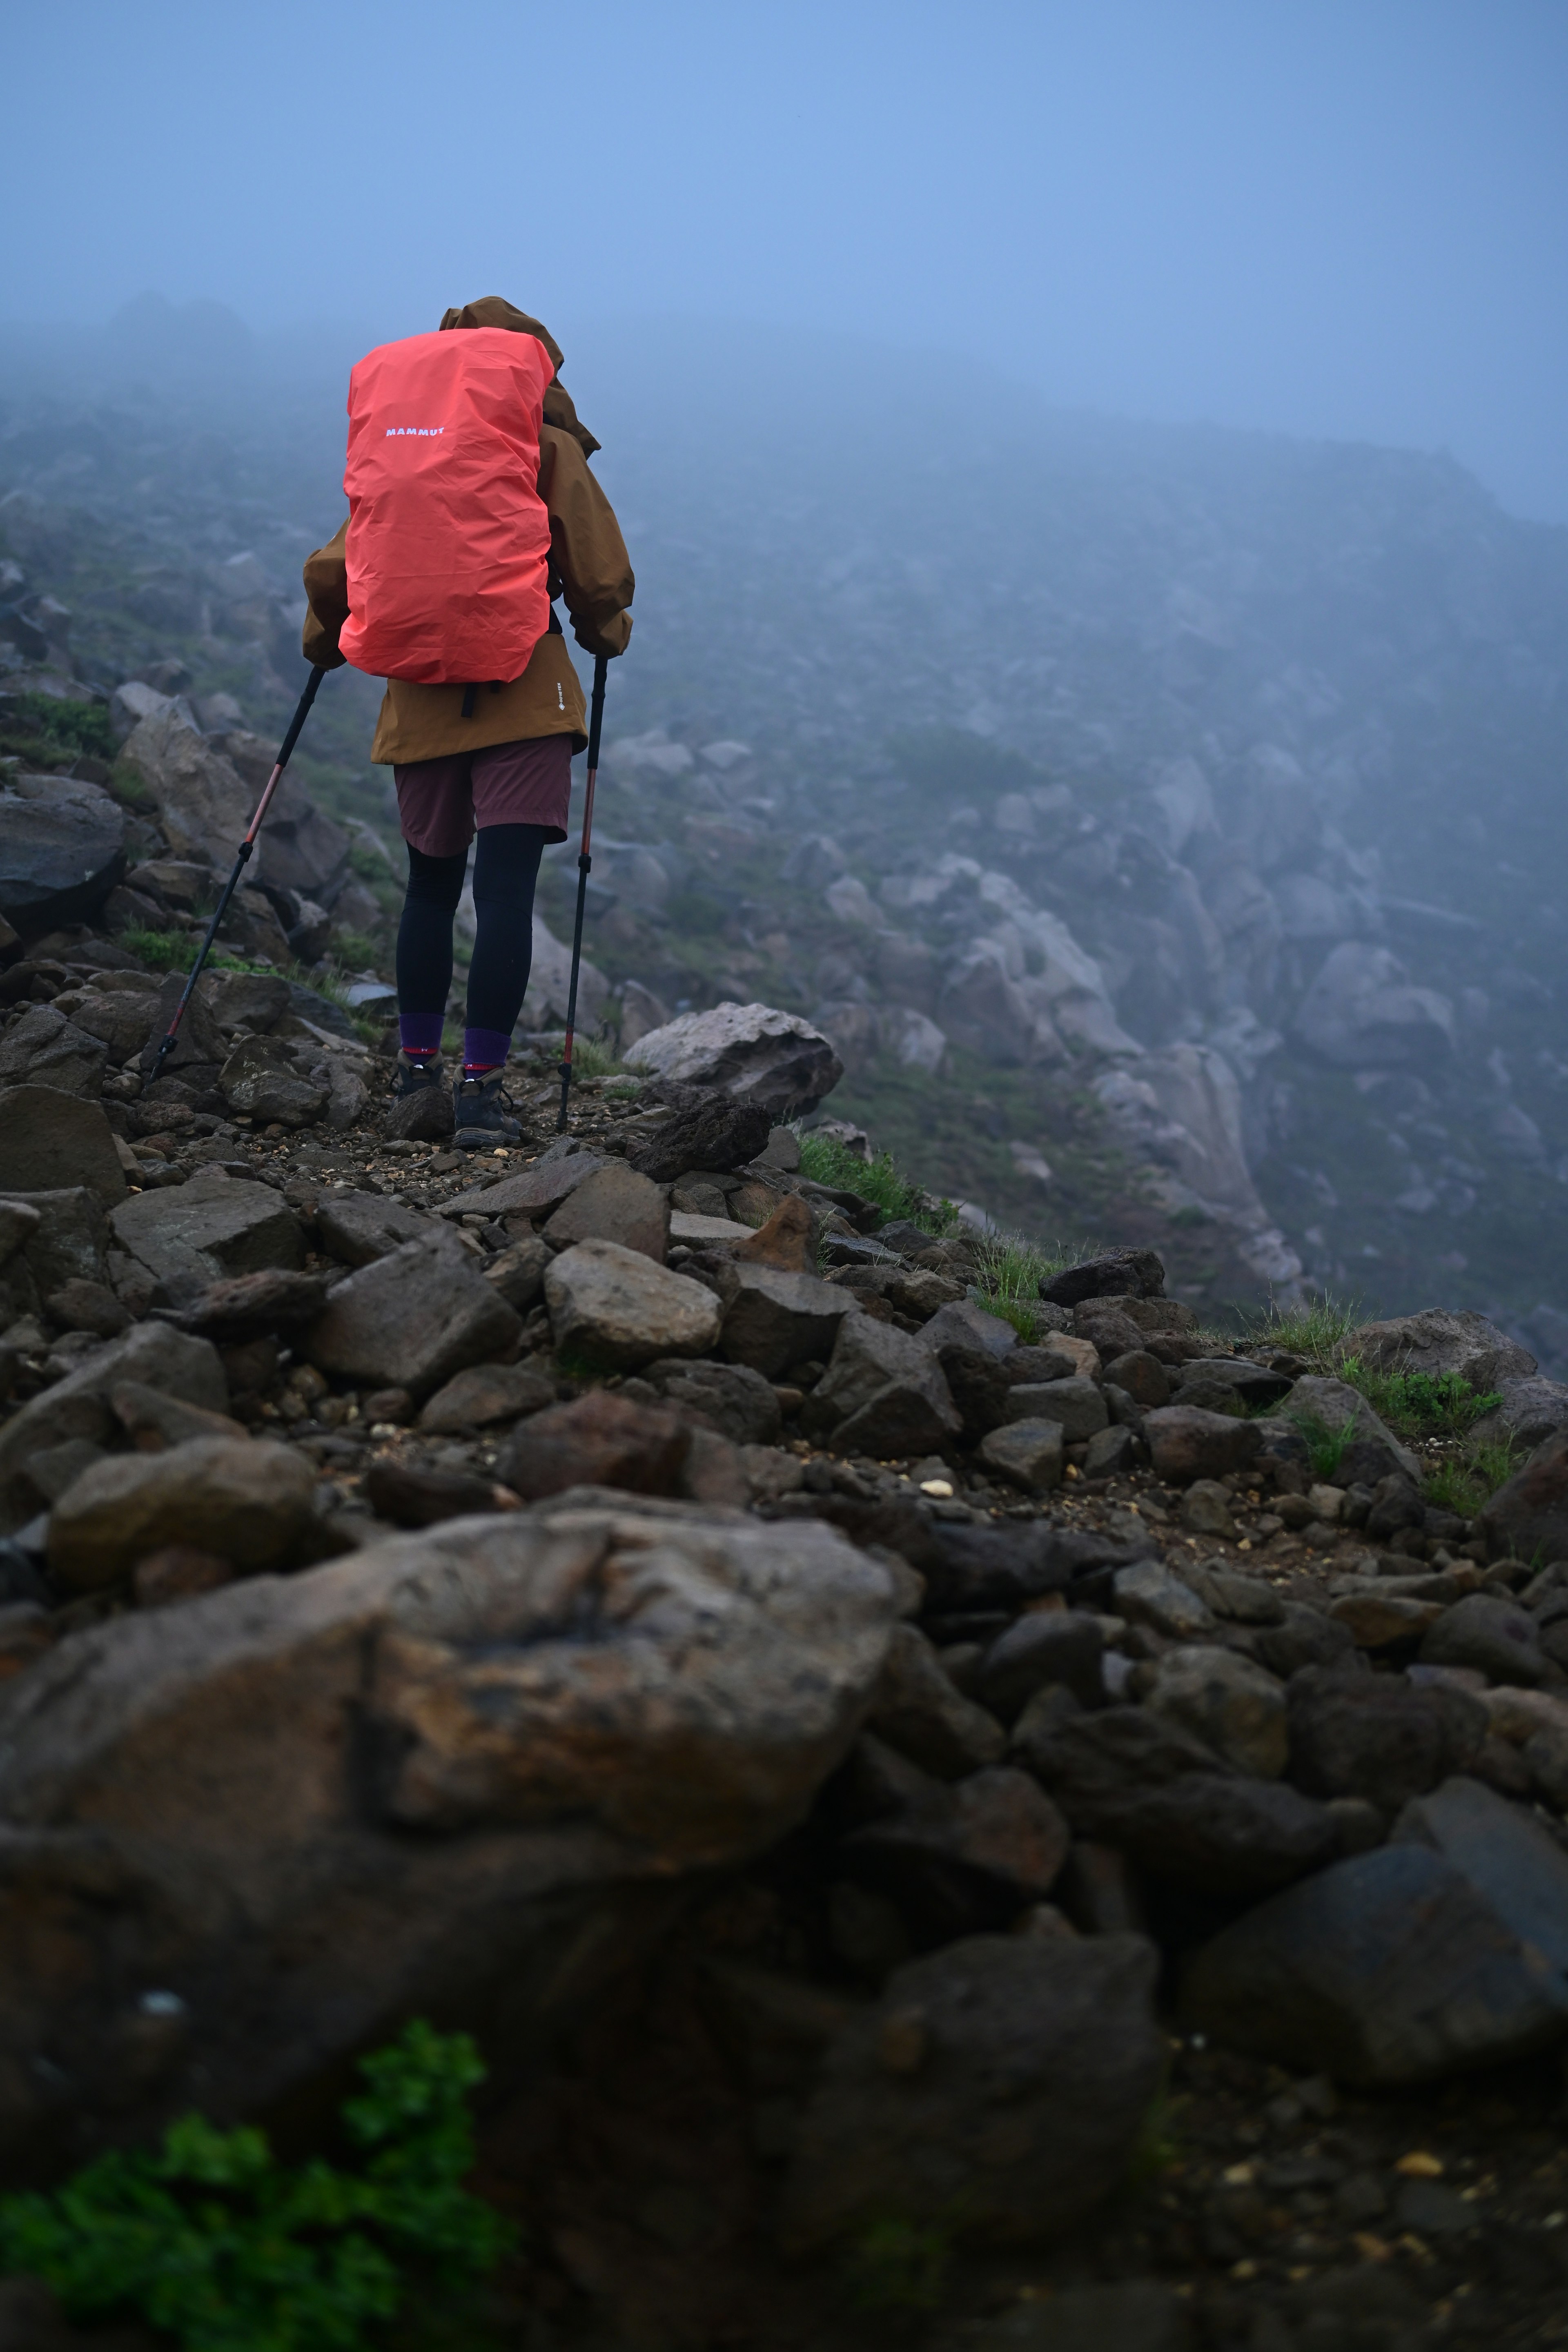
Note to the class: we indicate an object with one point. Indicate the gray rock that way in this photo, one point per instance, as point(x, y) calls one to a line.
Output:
point(1027, 1454)
point(1076, 1405)
point(558, 1714)
point(709, 1129)
point(62, 850)
point(78, 1405)
point(1530, 1411)
point(1511, 1859)
point(1147, 1594)
point(194, 1233)
point(1318, 1404)
point(1206, 1508)
point(532, 1193)
point(257, 1306)
point(1361, 1013)
point(618, 1310)
point(965, 1858)
point(1388, 1968)
point(123, 1018)
point(1378, 1736)
point(67, 1236)
point(256, 1000)
point(1113, 1453)
point(19, 1220)
point(999, 2085)
point(1235, 1708)
point(1241, 1600)
point(1528, 1516)
point(1140, 1376)
point(738, 1402)
point(44, 1049)
point(962, 1324)
point(615, 1205)
point(487, 1393)
point(260, 1081)
point(81, 1305)
point(246, 1500)
point(772, 1320)
point(1186, 1442)
point(1439, 1341)
point(204, 805)
point(1137, 1273)
point(356, 1228)
point(1493, 1634)
point(518, 1271)
point(1253, 1383)
point(1054, 1645)
point(774, 1059)
point(919, 1712)
point(198, 1039)
point(884, 1391)
point(413, 1319)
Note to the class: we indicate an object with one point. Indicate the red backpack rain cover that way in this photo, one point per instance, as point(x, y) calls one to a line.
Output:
point(449, 541)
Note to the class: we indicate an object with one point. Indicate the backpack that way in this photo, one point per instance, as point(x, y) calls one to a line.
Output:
point(448, 540)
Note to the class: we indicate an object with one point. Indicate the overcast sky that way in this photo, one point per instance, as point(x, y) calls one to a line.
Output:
point(1343, 220)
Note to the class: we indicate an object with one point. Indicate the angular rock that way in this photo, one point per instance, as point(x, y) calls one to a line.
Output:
point(1186, 1442)
point(1361, 1013)
point(1529, 1413)
point(978, 1386)
point(738, 1402)
point(884, 1392)
point(62, 850)
point(709, 1129)
point(486, 1393)
point(598, 1439)
point(1305, 1638)
point(1137, 1273)
point(44, 1049)
point(356, 1228)
point(1235, 1708)
point(1108, 1330)
point(250, 1305)
point(1206, 1508)
point(198, 1040)
point(518, 1271)
point(412, 1319)
point(257, 1001)
point(123, 1018)
point(962, 1324)
point(1054, 1645)
point(152, 1421)
point(1319, 1404)
point(1147, 1594)
point(79, 1406)
point(194, 1234)
point(1377, 1736)
point(613, 1204)
point(259, 1081)
point(246, 1500)
point(618, 1309)
point(771, 1320)
point(1112, 1453)
point(1528, 1516)
point(965, 1858)
point(919, 1712)
point(408, 1494)
point(564, 1707)
point(532, 1193)
point(1254, 1384)
point(1076, 1405)
point(998, 2087)
point(1388, 1968)
point(66, 1237)
point(784, 1241)
point(51, 1142)
point(774, 1060)
point(1492, 1635)
point(1510, 1858)
point(1141, 1376)
point(81, 1305)
point(1027, 1454)
point(427, 1116)
point(1241, 1600)
point(1439, 1341)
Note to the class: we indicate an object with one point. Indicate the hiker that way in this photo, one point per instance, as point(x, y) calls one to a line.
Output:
point(473, 753)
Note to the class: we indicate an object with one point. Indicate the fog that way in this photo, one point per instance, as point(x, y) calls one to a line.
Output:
point(1325, 220)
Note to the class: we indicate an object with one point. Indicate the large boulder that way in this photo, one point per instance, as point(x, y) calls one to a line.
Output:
point(52, 1142)
point(774, 1059)
point(885, 1393)
point(44, 1049)
point(1361, 1013)
point(204, 805)
point(150, 1355)
point(451, 1773)
point(413, 1317)
point(248, 1501)
point(1388, 1968)
point(1528, 1516)
point(618, 1309)
point(62, 850)
point(188, 1236)
point(997, 2088)
point(1437, 1341)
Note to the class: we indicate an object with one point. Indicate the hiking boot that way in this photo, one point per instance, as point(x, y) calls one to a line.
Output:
point(478, 1106)
point(415, 1077)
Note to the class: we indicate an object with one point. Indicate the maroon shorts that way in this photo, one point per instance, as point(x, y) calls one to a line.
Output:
point(440, 802)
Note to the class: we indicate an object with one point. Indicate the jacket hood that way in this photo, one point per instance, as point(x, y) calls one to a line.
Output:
point(493, 310)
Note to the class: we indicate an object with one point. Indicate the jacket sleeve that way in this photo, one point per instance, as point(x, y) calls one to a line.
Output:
point(586, 546)
point(327, 587)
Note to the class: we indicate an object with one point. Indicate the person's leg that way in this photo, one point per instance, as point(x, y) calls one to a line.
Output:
point(425, 951)
point(506, 868)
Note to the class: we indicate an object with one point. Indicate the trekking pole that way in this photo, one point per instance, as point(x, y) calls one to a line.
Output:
point(595, 724)
point(245, 846)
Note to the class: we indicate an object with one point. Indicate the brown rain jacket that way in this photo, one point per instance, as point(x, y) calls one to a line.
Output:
point(589, 565)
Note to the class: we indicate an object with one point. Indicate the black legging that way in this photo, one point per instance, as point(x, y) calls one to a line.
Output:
point(506, 867)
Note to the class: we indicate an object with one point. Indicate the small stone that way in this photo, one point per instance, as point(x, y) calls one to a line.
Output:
point(407, 1497)
point(1235, 1708)
point(1056, 1645)
point(708, 1129)
point(248, 1501)
point(1381, 1621)
point(1206, 1509)
point(1111, 1452)
point(81, 1305)
point(784, 1241)
point(1186, 1442)
point(427, 1116)
point(1137, 1273)
point(884, 1393)
point(78, 1406)
point(152, 1421)
point(966, 1857)
point(260, 1081)
point(1242, 1600)
point(1027, 1454)
point(598, 1439)
point(212, 1227)
point(392, 1406)
point(1508, 1855)
point(356, 1228)
point(485, 1393)
point(1147, 1594)
point(1075, 1404)
point(1141, 1375)
point(250, 1306)
point(518, 1271)
point(615, 1308)
point(533, 1192)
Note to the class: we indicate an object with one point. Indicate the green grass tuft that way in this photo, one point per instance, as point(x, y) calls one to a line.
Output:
point(1316, 1331)
point(1464, 1482)
point(1325, 1446)
point(50, 732)
point(825, 1160)
point(1418, 1404)
point(1011, 1270)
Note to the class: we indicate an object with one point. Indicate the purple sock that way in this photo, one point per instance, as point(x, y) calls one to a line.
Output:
point(419, 1032)
point(485, 1049)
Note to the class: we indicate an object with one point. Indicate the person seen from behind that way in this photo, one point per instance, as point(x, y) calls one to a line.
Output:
point(405, 586)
